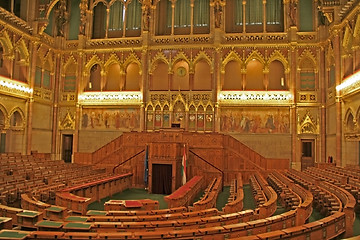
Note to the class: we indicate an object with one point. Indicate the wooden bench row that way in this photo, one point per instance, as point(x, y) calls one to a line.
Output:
point(288, 197)
point(349, 183)
point(304, 208)
point(77, 198)
point(235, 200)
point(184, 195)
point(209, 198)
point(268, 207)
point(328, 196)
point(327, 228)
point(215, 232)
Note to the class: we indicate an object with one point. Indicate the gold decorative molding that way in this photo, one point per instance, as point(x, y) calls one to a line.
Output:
point(12, 87)
point(169, 98)
point(307, 97)
point(352, 137)
point(255, 97)
point(349, 85)
point(110, 98)
point(43, 94)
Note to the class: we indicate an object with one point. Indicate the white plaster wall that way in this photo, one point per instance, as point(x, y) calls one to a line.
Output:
point(42, 116)
point(15, 142)
point(331, 120)
point(89, 140)
point(41, 140)
point(350, 153)
point(268, 145)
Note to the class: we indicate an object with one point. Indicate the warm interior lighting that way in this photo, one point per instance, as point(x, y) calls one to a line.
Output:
point(349, 81)
point(111, 96)
point(282, 81)
point(6, 82)
point(250, 96)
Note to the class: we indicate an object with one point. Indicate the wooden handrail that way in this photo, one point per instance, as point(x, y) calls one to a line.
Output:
point(120, 164)
point(221, 171)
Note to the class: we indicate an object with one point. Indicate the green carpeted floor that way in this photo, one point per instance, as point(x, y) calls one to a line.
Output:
point(249, 202)
point(356, 226)
point(280, 209)
point(221, 201)
point(223, 198)
point(315, 215)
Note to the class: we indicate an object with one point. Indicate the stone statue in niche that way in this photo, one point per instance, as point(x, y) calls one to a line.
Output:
point(218, 12)
point(146, 17)
point(83, 7)
point(292, 12)
point(62, 18)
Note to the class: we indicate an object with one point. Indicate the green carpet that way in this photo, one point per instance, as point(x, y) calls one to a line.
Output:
point(130, 194)
point(223, 198)
point(356, 225)
point(280, 209)
point(199, 196)
point(249, 202)
point(315, 215)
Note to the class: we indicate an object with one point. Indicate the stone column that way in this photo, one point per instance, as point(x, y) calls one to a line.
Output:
point(30, 103)
point(322, 91)
point(55, 105)
point(338, 79)
point(264, 16)
point(296, 163)
point(144, 87)
point(217, 87)
point(79, 88)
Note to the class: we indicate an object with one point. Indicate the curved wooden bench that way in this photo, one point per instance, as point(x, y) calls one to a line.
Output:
point(184, 195)
point(344, 201)
point(210, 196)
point(268, 206)
point(235, 201)
point(304, 209)
point(101, 188)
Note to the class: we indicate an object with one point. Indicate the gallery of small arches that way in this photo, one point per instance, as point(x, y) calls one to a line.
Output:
point(120, 18)
point(181, 72)
point(13, 120)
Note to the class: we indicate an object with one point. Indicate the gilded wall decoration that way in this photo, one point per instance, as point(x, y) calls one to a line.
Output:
point(124, 119)
point(68, 122)
point(255, 120)
point(308, 124)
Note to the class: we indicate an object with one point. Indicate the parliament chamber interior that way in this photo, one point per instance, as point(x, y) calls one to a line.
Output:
point(180, 119)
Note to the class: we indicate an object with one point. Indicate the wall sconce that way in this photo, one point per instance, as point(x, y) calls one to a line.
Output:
point(90, 85)
point(282, 81)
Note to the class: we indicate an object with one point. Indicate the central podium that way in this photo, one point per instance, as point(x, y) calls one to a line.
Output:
point(164, 159)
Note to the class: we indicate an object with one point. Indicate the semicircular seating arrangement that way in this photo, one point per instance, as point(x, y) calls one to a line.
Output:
point(54, 199)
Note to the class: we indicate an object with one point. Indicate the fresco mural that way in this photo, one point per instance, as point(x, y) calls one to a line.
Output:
point(122, 119)
point(258, 120)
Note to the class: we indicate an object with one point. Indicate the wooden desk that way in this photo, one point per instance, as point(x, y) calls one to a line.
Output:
point(80, 235)
point(77, 226)
point(129, 204)
point(5, 223)
point(13, 234)
point(121, 205)
point(75, 203)
point(29, 218)
point(76, 219)
point(49, 225)
point(46, 235)
point(96, 213)
point(55, 213)
point(10, 212)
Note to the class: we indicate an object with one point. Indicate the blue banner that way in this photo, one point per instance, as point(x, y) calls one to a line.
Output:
point(146, 167)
